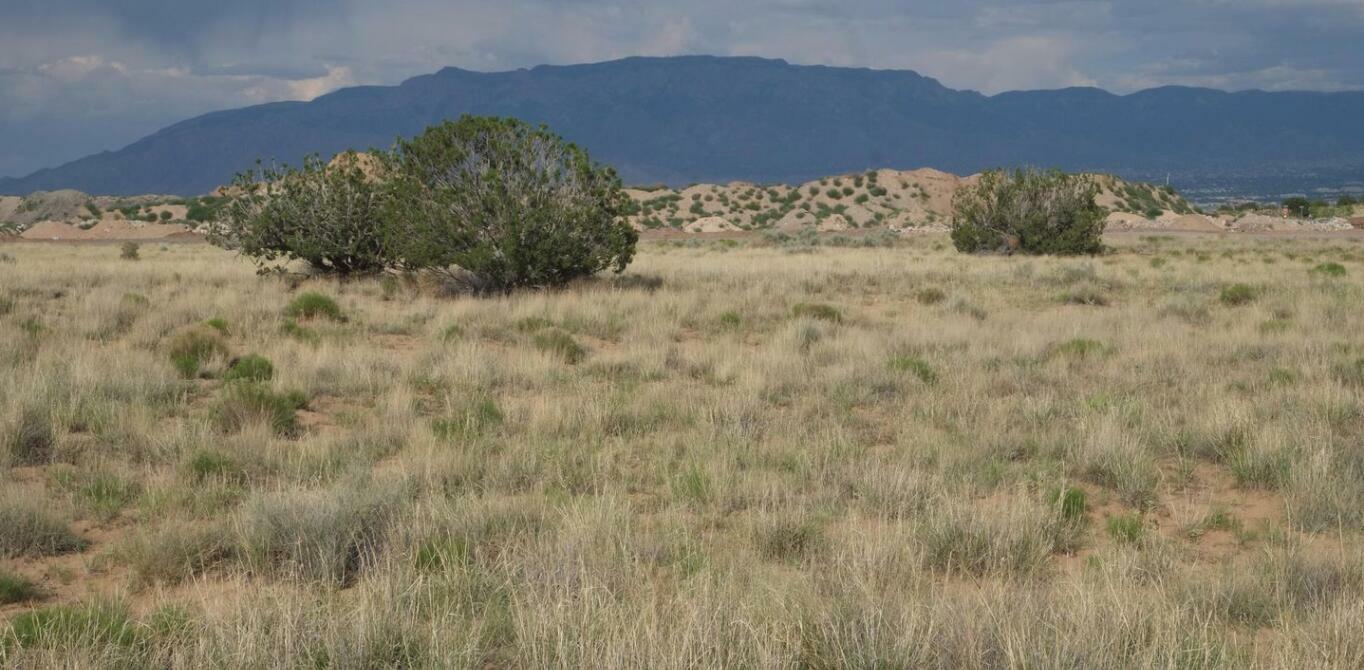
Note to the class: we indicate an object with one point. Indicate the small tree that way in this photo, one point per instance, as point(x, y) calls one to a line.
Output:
point(1297, 206)
point(331, 216)
point(502, 204)
point(1029, 211)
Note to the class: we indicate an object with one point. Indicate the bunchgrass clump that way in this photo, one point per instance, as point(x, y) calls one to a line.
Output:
point(1330, 270)
point(314, 305)
point(920, 368)
point(1126, 528)
point(93, 626)
point(1237, 295)
point(33, 440)
point(817, 311)
point(246, 403)
point(15, 588)
point(191, 349)
point(250, 368)
point(561, 345)
point(28, 528)
point(930, 295)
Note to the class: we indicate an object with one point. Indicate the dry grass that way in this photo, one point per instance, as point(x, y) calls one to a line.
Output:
point(736, 456)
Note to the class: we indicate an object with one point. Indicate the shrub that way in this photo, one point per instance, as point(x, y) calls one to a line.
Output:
point(190, 349)
point(27, 529)
point(817, 311)
point(500, 204)
point(243, 404)
point(1237, 295)
point(218, 324)
point(311, 305)
point(561, 344)
point(251, 368)
point(33, 440)
point(1028, 211)
point(330, 216)
point(1080, 347)
point(128, 251)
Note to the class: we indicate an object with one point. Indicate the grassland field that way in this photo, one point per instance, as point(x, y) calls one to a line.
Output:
point(738, 454)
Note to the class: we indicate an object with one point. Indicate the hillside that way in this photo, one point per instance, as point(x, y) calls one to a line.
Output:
point(705, 119)
point(892, 199)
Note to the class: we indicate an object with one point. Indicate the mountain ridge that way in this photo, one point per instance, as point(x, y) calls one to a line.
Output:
point(686, 119)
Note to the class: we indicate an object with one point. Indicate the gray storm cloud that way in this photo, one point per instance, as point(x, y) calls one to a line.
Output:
point(79, 76)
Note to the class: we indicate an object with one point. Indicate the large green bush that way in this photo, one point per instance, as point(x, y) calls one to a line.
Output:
point(501, 204)
point(329, 215)
point(1029, 211)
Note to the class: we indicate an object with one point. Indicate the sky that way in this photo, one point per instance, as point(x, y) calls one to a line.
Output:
point(81, 76)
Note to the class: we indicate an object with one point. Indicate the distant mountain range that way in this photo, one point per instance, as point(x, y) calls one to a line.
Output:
point(709, 119)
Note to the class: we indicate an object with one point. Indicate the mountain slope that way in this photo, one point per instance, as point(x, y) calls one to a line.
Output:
point(698, 118)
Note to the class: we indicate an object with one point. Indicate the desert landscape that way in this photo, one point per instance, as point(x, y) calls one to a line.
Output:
point(759, 453)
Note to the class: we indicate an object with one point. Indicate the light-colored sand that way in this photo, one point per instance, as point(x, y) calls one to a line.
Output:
point(105, 230)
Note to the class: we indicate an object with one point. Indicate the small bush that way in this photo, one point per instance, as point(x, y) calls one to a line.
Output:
point(1085, 294)
point(1237, 295)
point(33, 441)
point(291, 328)
point(1029, 211)
point(27, 529)
point(250, 368)
point(560, 344)
point(312, 305)
point(129, 251)
point(817, 311)
point(731, 320)
point(916, 366)
point(219, 325)
point(14, 588)
point(190, 349)
point(244, 404)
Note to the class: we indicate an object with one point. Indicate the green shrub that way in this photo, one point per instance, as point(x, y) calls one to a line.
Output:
point(1028, 211)
point(243, 404)
point(312, 305)
point(28, 529)
point(916, 366)
point(330, 216)
point(190, 349)
point(14, 588)
point(291, 328)
point(219, 325)
point(251, 368)
point(498, 204)
point(33, 441)
point(561, 344)
point(1238, 294)
point(129, 251)
point(817, 311)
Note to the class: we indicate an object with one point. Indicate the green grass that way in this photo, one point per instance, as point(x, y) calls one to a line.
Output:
point(15, 588)
point(817, 311)
point(245, 403)
point(915, 366)
point(1237, 295)
point(561, 345)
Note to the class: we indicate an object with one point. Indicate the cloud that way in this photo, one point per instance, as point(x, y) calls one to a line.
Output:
point(78, 76)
